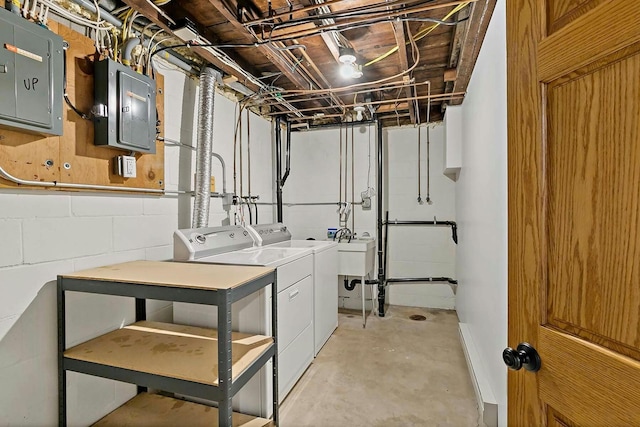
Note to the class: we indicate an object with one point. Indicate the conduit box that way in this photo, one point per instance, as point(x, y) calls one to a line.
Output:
point(125, 108)
point(31, 73)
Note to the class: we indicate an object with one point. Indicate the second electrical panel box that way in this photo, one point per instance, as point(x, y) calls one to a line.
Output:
point(125, 108)
point(31, 76)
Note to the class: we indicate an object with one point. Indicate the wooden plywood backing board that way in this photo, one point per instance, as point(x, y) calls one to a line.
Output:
point(74, 157)
point(29, 156)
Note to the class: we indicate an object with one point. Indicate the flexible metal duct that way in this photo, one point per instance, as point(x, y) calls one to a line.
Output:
point(208, 77)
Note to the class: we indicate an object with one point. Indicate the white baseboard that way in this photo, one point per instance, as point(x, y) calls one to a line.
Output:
point(487, 403)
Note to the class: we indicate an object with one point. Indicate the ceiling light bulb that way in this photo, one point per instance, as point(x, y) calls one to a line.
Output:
point(359, 109)
point(346, 71)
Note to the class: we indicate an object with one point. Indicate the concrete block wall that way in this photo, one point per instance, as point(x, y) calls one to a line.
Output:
point(419, 251)
point(46, 233)
point(315, 177)
point(413, 252)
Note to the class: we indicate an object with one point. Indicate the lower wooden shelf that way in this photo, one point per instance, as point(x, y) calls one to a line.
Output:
point(155, 410)
point(176, 351)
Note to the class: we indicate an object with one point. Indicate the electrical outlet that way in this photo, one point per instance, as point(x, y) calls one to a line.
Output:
point(125, 166)
point(129, 166)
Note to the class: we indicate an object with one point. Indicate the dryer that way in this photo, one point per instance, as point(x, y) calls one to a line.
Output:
point(294, 266)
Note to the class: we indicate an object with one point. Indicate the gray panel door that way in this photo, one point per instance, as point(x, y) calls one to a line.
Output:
point(134, 112)
point(7, 72)
point(33, 72)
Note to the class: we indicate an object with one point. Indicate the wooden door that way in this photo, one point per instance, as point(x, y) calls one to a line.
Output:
point(574, 210)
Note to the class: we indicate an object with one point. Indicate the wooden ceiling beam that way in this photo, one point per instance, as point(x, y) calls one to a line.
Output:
point(267, 50)
point(299, 31)
point(401, 41)
point(435, 97)
point(145, 8)
point(471, 43)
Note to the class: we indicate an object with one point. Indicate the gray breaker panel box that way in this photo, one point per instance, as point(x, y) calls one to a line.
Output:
point(127, 102)
point(31, 76)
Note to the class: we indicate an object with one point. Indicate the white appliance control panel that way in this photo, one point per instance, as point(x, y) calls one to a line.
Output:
point(267, 234)
point(194, 243)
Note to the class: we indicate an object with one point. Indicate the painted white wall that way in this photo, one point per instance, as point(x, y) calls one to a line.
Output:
point(315, 177)
point(46, 233)
point(419, 251)
point(413, 252)
point(481, 205)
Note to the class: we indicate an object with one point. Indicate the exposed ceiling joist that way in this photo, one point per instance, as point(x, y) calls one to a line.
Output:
point(401, 41)
point(400, 45)
point(268, 50)
point(471, 43)
point(145, 8)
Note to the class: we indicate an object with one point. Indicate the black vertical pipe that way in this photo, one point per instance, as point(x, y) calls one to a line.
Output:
point(287, 155)
point(278, 169)
point(381, 272)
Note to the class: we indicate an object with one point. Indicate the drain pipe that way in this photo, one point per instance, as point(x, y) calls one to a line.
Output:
point(422, 279)
point(208, 77)
point(287, 154)
point(381, 272)
point(278, 169)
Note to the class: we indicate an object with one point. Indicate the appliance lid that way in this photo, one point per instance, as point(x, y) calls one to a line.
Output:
point(193, 243)
point(268, 256)
point(314, 245)
point(267, 234)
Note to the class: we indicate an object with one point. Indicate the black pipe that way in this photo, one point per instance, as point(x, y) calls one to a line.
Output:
point(452, 224)
point(250, 212)
point(278, 169)
point(288, 154)
point(255, 204)
point(352, 285)
point(381, 272)
point(422, 279)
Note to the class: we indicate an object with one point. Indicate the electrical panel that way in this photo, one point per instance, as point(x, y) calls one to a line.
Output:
point(125, 108)
point(31, 76)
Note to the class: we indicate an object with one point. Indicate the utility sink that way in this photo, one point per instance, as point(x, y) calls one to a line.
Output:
point(356, 258)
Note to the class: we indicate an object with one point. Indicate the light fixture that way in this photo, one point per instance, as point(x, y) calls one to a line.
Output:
point(351, 71)
point(348, 67)
point(347, 55)
point(359, 109)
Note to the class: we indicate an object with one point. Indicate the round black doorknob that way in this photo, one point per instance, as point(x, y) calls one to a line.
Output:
point(525, 356)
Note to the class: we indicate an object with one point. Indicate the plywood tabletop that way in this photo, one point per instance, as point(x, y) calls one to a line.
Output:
point(159, 411)
point(175, 274)
point(177, 351)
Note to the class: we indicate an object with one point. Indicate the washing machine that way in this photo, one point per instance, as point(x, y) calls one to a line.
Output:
point(325, 276)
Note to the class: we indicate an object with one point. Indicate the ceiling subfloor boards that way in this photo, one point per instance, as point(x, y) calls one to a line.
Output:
point(476, 30)
point(287, 53)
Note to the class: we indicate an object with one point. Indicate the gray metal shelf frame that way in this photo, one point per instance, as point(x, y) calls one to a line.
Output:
point(222, 298)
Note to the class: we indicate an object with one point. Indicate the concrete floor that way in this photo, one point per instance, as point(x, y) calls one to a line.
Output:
point(396, 372)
